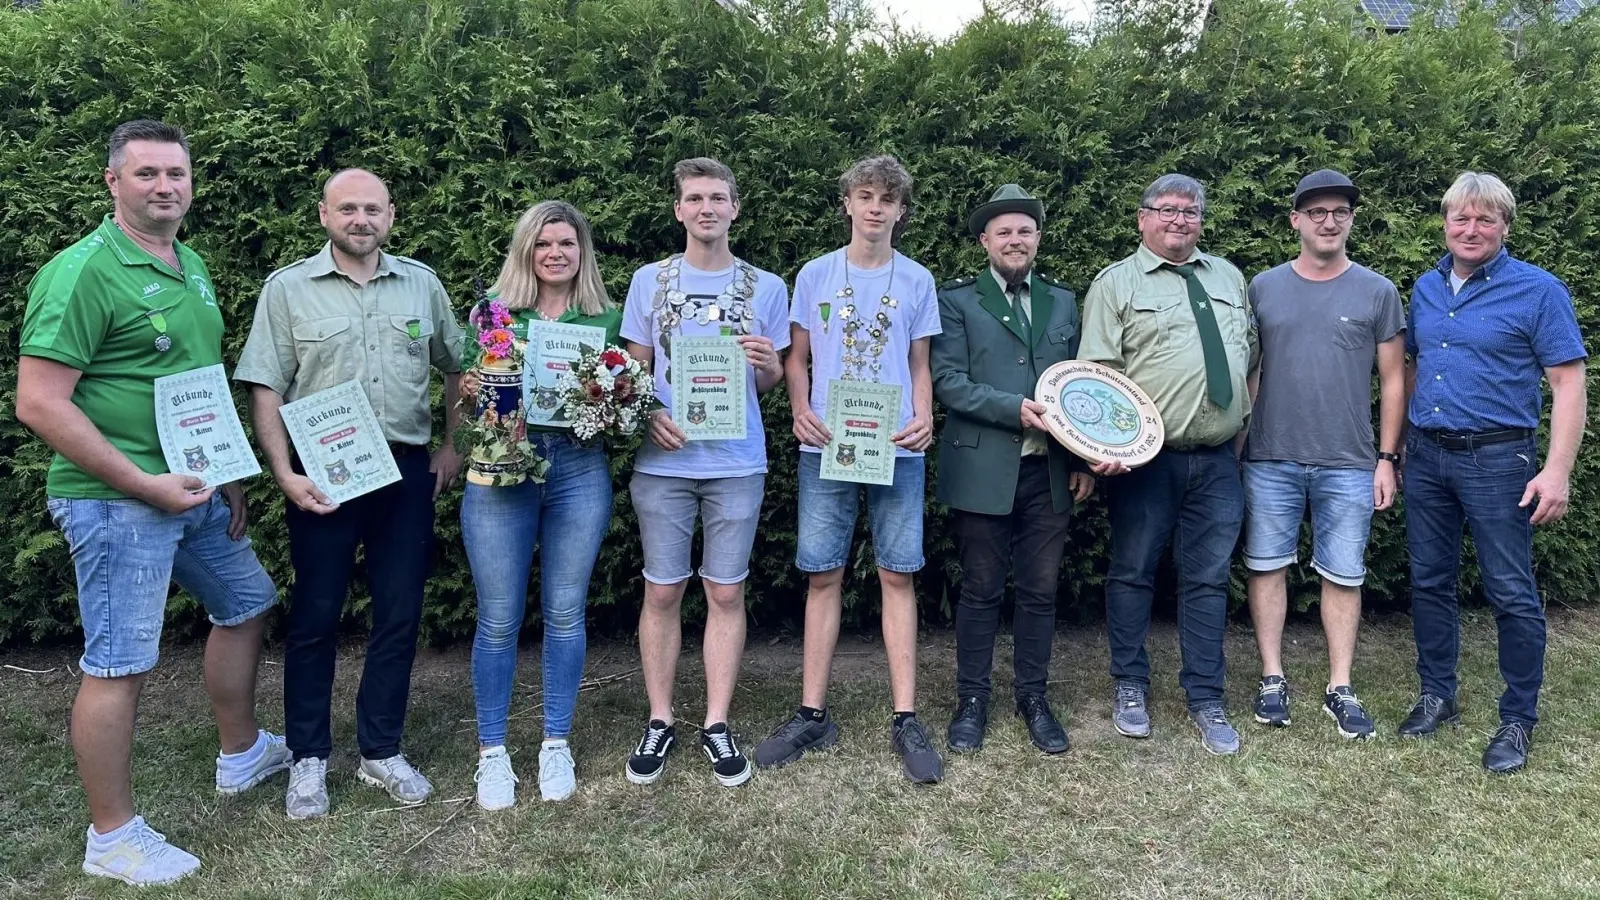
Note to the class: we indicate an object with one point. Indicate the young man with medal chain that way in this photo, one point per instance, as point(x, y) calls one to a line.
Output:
point(106, 317)
point(705, 291)
point(864, 312)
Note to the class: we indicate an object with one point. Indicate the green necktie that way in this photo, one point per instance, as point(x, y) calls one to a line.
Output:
point(1219, 383)
point(1020, 310)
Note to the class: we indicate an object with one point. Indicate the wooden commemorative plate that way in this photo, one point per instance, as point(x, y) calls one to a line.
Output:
point(1100, 414)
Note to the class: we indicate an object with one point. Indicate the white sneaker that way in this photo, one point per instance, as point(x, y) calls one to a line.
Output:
point(274, 759)
point(497, 784)
point(557, 778)
point(307, 796)
point(403, 782)
point(140, 856)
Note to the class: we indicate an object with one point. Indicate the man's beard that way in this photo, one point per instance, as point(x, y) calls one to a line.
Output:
point(1013, 275)
point(344, 243)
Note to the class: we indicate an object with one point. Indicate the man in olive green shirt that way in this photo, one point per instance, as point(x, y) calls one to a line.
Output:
point(353, 312)
point(1178, 322)
point(106, 317)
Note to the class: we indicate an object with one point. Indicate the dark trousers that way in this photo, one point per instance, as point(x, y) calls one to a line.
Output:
point(1029, 541)
point(395, 526)
point(1480, 488)
point(1192, 500)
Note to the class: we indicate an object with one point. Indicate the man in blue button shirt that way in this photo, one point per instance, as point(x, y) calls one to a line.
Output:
point(1482, 329)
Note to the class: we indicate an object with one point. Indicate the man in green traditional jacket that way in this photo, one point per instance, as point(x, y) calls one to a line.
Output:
point(1010, 486)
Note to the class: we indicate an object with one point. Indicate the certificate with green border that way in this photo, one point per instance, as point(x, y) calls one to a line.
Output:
point(861, 416)
point(708, 387)
point(199, 427)
point(552, 350)
point(340, 442)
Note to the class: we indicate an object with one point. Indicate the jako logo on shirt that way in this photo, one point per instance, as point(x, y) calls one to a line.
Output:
point(153, 287)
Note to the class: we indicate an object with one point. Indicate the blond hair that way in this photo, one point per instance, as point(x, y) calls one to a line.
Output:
point(704, 167)
point(518, 286)
point(1482, 190)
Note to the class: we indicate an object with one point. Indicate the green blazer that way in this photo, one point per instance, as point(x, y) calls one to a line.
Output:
point(981, 372)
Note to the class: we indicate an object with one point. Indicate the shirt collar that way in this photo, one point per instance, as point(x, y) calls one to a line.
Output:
point(1000, 279)
point(1489, 269)
point(1149, 261)
point(323, 263)
point(128, 251)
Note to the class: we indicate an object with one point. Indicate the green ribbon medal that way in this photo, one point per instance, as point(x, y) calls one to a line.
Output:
point(158, 321)
point(414, 329)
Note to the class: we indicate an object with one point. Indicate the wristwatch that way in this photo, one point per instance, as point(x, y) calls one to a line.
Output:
point(1391, 457)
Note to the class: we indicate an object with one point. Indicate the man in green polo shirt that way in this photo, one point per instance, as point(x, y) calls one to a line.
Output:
point(1177, 322)
point(106, 317)
point(354, 312)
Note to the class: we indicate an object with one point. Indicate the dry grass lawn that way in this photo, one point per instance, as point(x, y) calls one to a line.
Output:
point(1300, 813)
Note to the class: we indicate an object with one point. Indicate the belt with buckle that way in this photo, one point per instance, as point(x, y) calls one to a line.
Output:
point(1451, 440)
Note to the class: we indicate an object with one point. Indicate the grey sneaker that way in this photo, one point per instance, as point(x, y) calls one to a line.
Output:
point(307, 796)
point(1129, 715)
point(396, 776)
point(274, 758)
point(1215, 733)
point(497, 784)
point(139, 856)
point(558, 777)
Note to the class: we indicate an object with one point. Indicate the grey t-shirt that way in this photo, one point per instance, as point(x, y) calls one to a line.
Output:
point(1319, 342)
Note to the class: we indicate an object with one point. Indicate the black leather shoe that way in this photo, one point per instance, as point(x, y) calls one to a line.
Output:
point(1430, 712)
point(1046, 733)
point(970, 722)
point(1508, 749)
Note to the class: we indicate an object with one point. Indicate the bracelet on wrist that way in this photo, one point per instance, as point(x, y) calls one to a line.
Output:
point(1389, 457)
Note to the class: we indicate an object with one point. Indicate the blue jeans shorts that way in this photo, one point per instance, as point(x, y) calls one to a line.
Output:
point(729, 510)
point(127, 553)
point(828, 511)
point(1276, 495)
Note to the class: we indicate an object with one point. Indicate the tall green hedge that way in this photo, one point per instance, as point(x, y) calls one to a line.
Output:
point(474, 109)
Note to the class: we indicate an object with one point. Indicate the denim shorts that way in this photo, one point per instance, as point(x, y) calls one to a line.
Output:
point(729, 509)
point(1276, 495)
point(828, 512)
point(127, 553)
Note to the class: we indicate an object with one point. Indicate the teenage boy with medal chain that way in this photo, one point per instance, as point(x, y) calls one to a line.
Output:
point(864, 312)
point(705, 291)
point(106, 317)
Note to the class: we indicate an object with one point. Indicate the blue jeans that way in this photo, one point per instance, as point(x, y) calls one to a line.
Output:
point(127, 553)
point(828, 511)
point(501, 527)
point(1192, 500)
point(1481, 488)
point(1276, 495)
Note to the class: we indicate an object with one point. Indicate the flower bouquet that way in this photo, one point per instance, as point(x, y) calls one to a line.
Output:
point(606, 394)
point(495, 435)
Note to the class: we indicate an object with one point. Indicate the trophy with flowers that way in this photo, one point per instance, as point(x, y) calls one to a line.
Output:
point(495, 435)
point(606, 394)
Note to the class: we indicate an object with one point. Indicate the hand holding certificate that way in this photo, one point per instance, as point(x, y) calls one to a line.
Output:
point(708, 387)
point(863, 417)
point(553, 350)
point(199, 427)
point(340, 443)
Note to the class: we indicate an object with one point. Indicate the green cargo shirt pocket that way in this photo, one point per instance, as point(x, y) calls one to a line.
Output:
point(1154, 324)
point(324, 351)
point(407, 347)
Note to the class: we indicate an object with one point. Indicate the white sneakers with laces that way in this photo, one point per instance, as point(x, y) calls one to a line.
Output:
point(398, 777)
point(558, 777)
point(136, 854)
point(497, 784)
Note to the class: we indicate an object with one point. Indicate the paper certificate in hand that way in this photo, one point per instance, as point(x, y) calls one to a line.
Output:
point(708, 387)
point(861, 416)
point(199, 427)
point(339, 442)
point(553, 348)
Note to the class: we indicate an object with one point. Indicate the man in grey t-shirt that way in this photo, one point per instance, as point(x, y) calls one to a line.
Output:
point(1323, 320)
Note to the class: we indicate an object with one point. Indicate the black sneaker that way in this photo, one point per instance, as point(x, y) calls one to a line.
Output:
point(1342, 707)
point(918, 759)
point(794, 738)
point(649, 759)
point(1272, 702)
point(727, 763)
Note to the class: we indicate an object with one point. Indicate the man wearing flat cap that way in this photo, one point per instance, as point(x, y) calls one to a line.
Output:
point(1010, 486)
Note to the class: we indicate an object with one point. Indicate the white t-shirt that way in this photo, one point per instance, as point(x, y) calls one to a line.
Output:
point(916, 316)
point(704, 459)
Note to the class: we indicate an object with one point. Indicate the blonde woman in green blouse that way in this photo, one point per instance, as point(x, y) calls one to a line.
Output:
point(549, 276)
